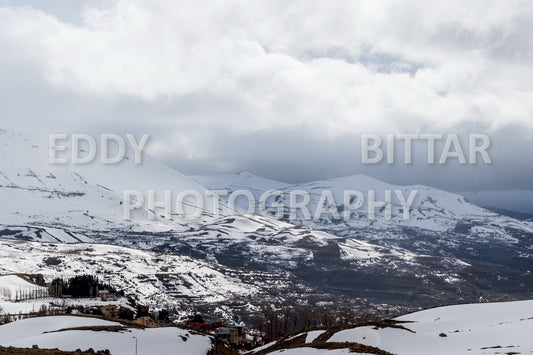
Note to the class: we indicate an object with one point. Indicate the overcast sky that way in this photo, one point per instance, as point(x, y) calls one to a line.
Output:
point(281, 89)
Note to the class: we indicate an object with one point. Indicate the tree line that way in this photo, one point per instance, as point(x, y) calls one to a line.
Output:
point(273, 323)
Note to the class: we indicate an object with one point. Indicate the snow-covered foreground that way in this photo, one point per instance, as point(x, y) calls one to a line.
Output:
point(485, 328)
point(311, 351)
point(46, 332)
point(488, 328)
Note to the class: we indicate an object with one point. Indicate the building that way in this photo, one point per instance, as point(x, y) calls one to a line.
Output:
point(231, 335)
point(146, 321)
point(109, 296)
point(110, 311)
point(239, 328)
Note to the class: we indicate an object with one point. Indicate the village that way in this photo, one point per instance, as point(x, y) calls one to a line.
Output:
point(28, 295)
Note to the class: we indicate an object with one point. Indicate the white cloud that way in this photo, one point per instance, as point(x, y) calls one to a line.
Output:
point(285, 65)
point(194, 73)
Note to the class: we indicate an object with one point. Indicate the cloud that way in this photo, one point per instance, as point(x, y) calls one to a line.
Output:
point(298, 65)
point(234, 85)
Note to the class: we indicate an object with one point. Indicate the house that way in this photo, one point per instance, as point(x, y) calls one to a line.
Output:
point(236, 326)
point(109, 296)
point(109, 310)
point(230, 335)
point(147, 322)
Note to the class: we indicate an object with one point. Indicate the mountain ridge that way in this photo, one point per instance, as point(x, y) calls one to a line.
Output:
point(65, 204)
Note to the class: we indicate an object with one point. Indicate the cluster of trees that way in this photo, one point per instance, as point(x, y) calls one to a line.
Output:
point(275, 322)
point(24, 294)
point(79, 286)
point(44, 310)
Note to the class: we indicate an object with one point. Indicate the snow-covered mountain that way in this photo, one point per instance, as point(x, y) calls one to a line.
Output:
point(82, 197)
point(432, 209)
point(488, 328)
point(440, 223)
point(84, 204)
point(160, 280)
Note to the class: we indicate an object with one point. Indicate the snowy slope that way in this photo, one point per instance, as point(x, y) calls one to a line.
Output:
point(13, 287)
point(82, 203)
point(483, 328)
point(82, 196)
point(440, 223)
point(489, 328)
point(242, 180)
point(312, 351)
point(76, 203)
point(156, 279)
point(245, 253)
point(31, 327)
point(167, 280)
point(51, 303)
point(73, 204)
point(49, 332)
point(433, 209)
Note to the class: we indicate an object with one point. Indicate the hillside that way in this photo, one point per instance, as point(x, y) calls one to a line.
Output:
point(70, 333)
point(154, 279)
point(83, 204)
point(488, 328)
point(14, 288)
point(497, 246)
